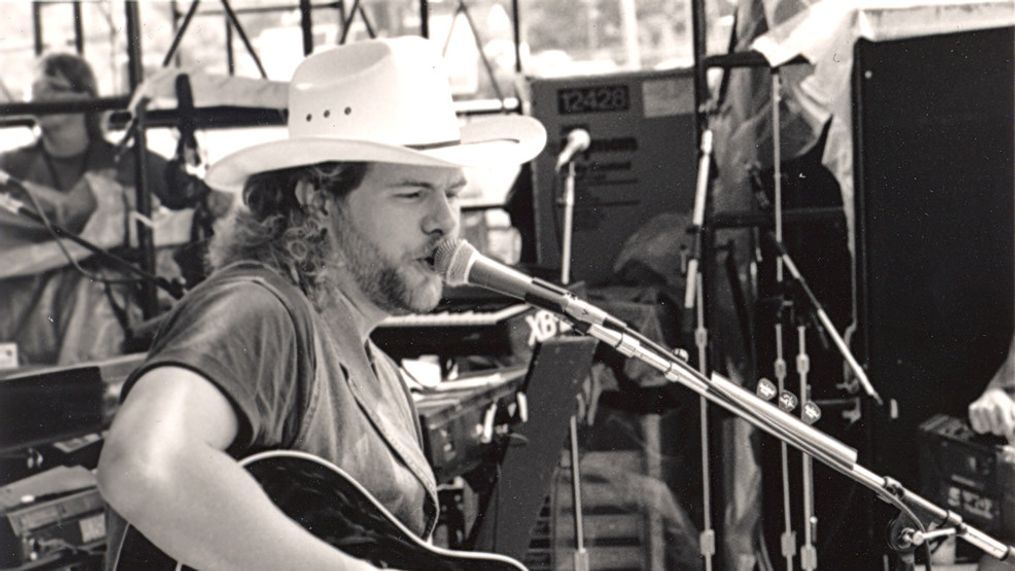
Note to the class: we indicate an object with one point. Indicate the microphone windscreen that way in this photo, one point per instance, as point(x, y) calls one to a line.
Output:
point(453, 260)
point(580, 138)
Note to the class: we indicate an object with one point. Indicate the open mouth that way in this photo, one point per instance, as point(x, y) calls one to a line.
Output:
point(428, 259)
point(429, 262)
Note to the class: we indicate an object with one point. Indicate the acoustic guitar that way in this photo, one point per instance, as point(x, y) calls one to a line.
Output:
point(333, 506)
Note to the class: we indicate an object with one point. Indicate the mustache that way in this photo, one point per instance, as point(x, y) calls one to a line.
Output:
point(431, 248)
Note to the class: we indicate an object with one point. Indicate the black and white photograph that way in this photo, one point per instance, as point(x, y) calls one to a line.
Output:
point(507, 285)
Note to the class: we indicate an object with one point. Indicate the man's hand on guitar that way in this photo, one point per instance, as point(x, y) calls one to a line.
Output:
point(994, 412)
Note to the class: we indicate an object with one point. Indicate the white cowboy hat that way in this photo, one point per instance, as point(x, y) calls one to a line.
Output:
point(385, 100)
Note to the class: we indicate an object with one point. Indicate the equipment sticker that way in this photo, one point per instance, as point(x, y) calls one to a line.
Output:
point(664, 97)
point(93, 528)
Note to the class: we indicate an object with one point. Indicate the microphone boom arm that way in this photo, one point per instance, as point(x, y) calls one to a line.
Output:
point(789, 429)
point(572, 306)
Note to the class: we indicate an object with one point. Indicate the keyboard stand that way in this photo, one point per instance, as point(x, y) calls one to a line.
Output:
point(508, 510)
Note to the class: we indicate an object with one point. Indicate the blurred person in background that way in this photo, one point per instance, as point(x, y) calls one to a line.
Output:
point(74, 176)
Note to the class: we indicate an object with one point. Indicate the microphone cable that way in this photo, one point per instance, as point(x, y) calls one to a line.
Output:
point(40, 216)
point(44, 219)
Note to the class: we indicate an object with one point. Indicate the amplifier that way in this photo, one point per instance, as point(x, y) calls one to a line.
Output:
point(456, 423)
point(642, 161)
point(44, 529)
point(970, 474)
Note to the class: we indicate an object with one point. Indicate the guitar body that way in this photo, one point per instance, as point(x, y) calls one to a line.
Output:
point(330, 504)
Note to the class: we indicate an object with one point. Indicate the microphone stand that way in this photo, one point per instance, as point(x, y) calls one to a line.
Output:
point(826, 322)
point(693, 297)
point(568, 232)
point(808, 552)
point(706, 539)
point(698, 218)
point(581, 556)
point(788, 538)
point(16, 207)
point(788, 535)
point(796, 432)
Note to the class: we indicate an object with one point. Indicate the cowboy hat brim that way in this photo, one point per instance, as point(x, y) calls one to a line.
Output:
point(502, 140)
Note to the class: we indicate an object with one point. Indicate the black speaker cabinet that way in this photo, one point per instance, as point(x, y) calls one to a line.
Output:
point(933, 179)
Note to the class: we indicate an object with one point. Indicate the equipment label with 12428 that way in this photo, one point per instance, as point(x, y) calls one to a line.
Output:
point(593, 99)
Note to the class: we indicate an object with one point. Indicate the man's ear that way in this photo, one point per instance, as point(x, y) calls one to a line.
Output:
point(305, 191)
point(311, 198)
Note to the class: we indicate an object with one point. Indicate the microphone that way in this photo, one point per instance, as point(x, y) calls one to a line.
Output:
point(459, 263)
point(578, 140)
point(11, 204)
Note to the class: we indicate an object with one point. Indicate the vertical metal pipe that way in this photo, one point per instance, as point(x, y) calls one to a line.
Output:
point(37, 28)
point(79, 30)
point(145, 240)
point(568, 234)
point(516, 20)
point(698, 35)
point(861, 294)
point(424, 18)
point(581, 556)
point(808, 551)
point(230, 56)
point(135, 64)
point(788, 536)
point(174, 15)
point(707, 537)
point(777, 166)
point(340, 7)
point(307, 26)
point(708, 352)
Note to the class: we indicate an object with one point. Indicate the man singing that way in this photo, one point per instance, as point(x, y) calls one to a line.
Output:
point(341, 223)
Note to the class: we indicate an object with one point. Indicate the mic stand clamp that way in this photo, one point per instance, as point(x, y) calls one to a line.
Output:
point(825, 321)
point(900, 540)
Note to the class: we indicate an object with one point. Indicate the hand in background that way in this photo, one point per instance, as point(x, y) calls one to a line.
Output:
point(994, 412)
point(219, 203)
point(69, 210)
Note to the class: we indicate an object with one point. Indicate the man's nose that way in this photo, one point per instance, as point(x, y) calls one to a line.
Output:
point(443, 216)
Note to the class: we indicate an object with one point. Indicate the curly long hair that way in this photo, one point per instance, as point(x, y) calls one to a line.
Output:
point(276, 230)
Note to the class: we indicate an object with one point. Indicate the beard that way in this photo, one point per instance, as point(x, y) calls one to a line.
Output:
point(398, 287)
